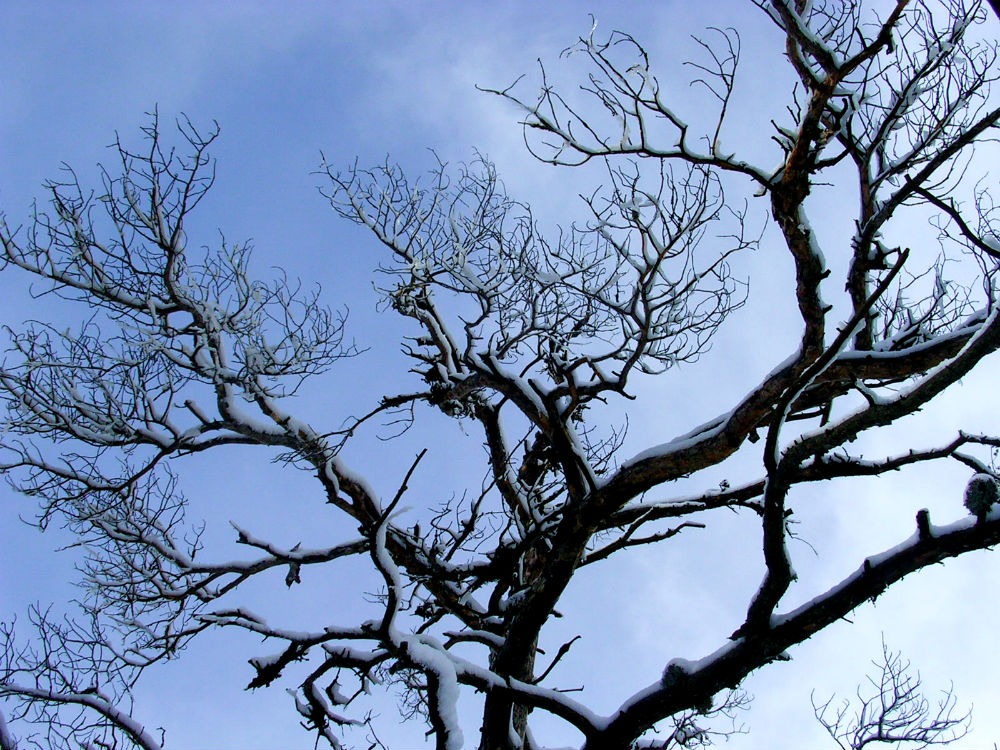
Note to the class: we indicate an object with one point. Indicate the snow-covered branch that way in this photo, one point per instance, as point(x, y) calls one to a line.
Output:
point(534, 342)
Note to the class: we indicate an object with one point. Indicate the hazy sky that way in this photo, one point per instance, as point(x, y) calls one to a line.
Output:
point(367, 80)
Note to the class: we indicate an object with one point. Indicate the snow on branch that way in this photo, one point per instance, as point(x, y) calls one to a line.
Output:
point(536, 344)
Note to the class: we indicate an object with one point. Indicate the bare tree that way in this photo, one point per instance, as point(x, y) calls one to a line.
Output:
point(522, 338)
point(894, 713)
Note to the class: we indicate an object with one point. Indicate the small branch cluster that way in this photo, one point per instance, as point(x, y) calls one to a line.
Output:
point(895, 712)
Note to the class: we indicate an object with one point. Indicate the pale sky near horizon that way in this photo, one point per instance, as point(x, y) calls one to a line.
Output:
point(287, 80)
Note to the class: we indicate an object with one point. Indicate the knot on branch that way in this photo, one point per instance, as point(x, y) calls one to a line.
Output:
point(454, 399)
point(981, 493)
point(537, 460)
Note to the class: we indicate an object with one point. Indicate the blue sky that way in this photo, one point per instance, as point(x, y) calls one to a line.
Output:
point(366, 80)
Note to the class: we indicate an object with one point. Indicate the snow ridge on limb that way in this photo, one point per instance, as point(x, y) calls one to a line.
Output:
point(692, 682)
